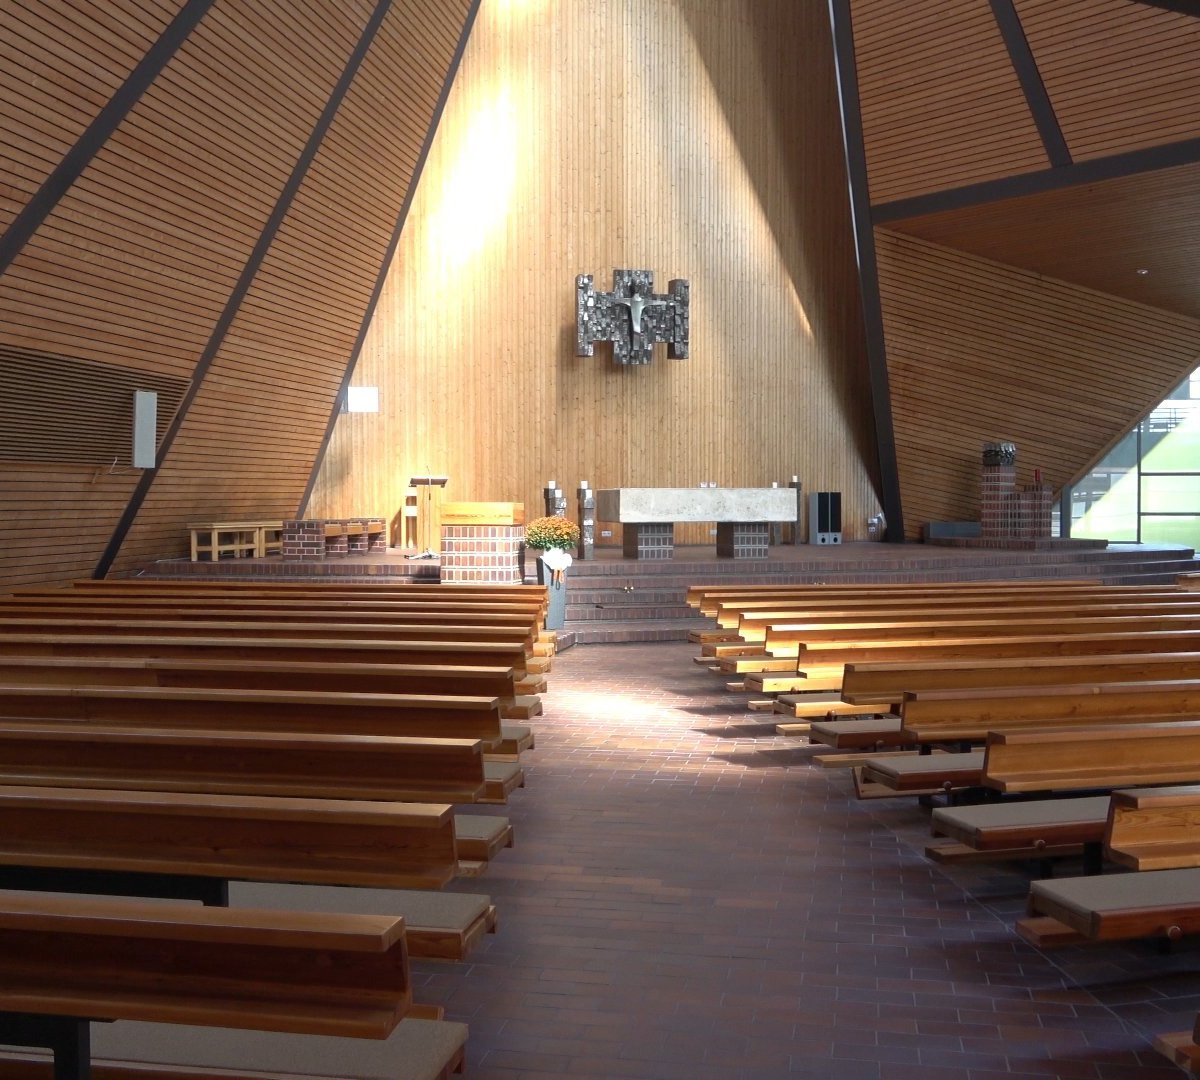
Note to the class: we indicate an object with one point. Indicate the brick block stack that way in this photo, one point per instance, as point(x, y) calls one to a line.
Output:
point(483, 554)
point(318, 538)
point(1006, 513)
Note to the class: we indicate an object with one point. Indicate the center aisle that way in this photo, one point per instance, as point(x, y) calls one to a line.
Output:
point(688, 898)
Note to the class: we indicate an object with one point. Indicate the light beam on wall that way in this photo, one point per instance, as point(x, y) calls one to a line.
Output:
point(478, 187)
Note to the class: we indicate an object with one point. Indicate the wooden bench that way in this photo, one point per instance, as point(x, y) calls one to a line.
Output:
point(1085, 757)
point(729, 614)
point(224, 673)
point(380, 589)
point(1032, 829)
point(415, 715)
point(857, 649)
point(334, 841)
point(757, 626)
point(284, 763)
point(1154, 829)
point(212, 541)
point(176, 963)
point(867, 683)
point(1082, 757)
point(968, 715)
point(280, 648)
point(416, 1050)
point(786, 641)
point(706, 596)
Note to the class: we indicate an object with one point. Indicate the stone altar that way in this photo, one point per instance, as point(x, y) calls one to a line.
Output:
point(743, 517)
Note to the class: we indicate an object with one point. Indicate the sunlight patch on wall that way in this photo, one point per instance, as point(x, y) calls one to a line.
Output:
point(477, 189)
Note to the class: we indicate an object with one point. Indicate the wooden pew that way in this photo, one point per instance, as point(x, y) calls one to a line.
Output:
point(968, 715)
point(416, 1050)
point(729, 613)
point(1084, 757)
point(969, 646)
point(330, 651)
point(415, 715)
point(1151, 828)
point(867, 683)
point(280, 610)
point(261, 763)
point(238, 627)
point(177, 963)
point(705, 596)
point(1056, 760)
point(333, 841)
point(755, 627)
point(787, 641)
point(1154, 829)
point(380, 589)
point(226, 673)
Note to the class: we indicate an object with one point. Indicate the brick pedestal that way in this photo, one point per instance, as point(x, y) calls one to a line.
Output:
point(303, 541)
point(482, 553)
point(743, 539)
point(995, 501)
point(651, 540)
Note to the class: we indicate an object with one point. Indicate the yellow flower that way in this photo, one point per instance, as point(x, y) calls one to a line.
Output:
point(551, 532)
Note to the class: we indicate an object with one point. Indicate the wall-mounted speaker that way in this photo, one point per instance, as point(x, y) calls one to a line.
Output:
point(145, 429)
point(825, 517)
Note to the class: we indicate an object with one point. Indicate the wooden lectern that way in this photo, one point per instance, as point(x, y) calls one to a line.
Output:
point(429, 500)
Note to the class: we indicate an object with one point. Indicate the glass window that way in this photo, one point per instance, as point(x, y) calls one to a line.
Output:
point(1147, 488)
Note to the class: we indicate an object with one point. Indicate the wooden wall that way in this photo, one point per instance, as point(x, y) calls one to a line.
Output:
point(979, 351)
point(697, 138)
point(201, 245)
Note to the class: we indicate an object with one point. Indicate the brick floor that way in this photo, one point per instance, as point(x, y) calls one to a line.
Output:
point(690, 898)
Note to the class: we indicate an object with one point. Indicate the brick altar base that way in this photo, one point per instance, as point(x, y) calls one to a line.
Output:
point(483, 554)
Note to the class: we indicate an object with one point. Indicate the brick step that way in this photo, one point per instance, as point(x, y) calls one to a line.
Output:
point(612, 597)
point(630, 612)
point(597, 633)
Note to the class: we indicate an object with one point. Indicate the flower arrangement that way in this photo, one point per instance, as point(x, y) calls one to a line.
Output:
point(545, 533)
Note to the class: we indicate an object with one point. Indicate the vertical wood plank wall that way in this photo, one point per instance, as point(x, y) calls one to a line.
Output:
point(697, 139)
point(135, 264)
point(978, 350)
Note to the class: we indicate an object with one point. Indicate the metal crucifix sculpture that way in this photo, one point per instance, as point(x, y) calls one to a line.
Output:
point(633, 317)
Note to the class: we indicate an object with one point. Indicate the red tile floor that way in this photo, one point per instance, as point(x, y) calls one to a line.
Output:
point(690, 898)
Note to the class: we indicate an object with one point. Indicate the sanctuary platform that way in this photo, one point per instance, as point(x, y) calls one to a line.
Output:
point(613, 598)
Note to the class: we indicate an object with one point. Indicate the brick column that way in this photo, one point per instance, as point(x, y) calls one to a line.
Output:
point(482, 554)
point(303, 540)
point(997, 479)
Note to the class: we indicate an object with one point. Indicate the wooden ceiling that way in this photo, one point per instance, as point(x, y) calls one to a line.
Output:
point(1121, 79)
point(1097, 235)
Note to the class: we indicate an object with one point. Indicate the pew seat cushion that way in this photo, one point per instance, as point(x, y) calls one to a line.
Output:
point(439, 925)
point(481, 836)
point(856, 733)
point(416, 1050)
point(1110, 894)
point(1003, 824)
point(926, 769)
